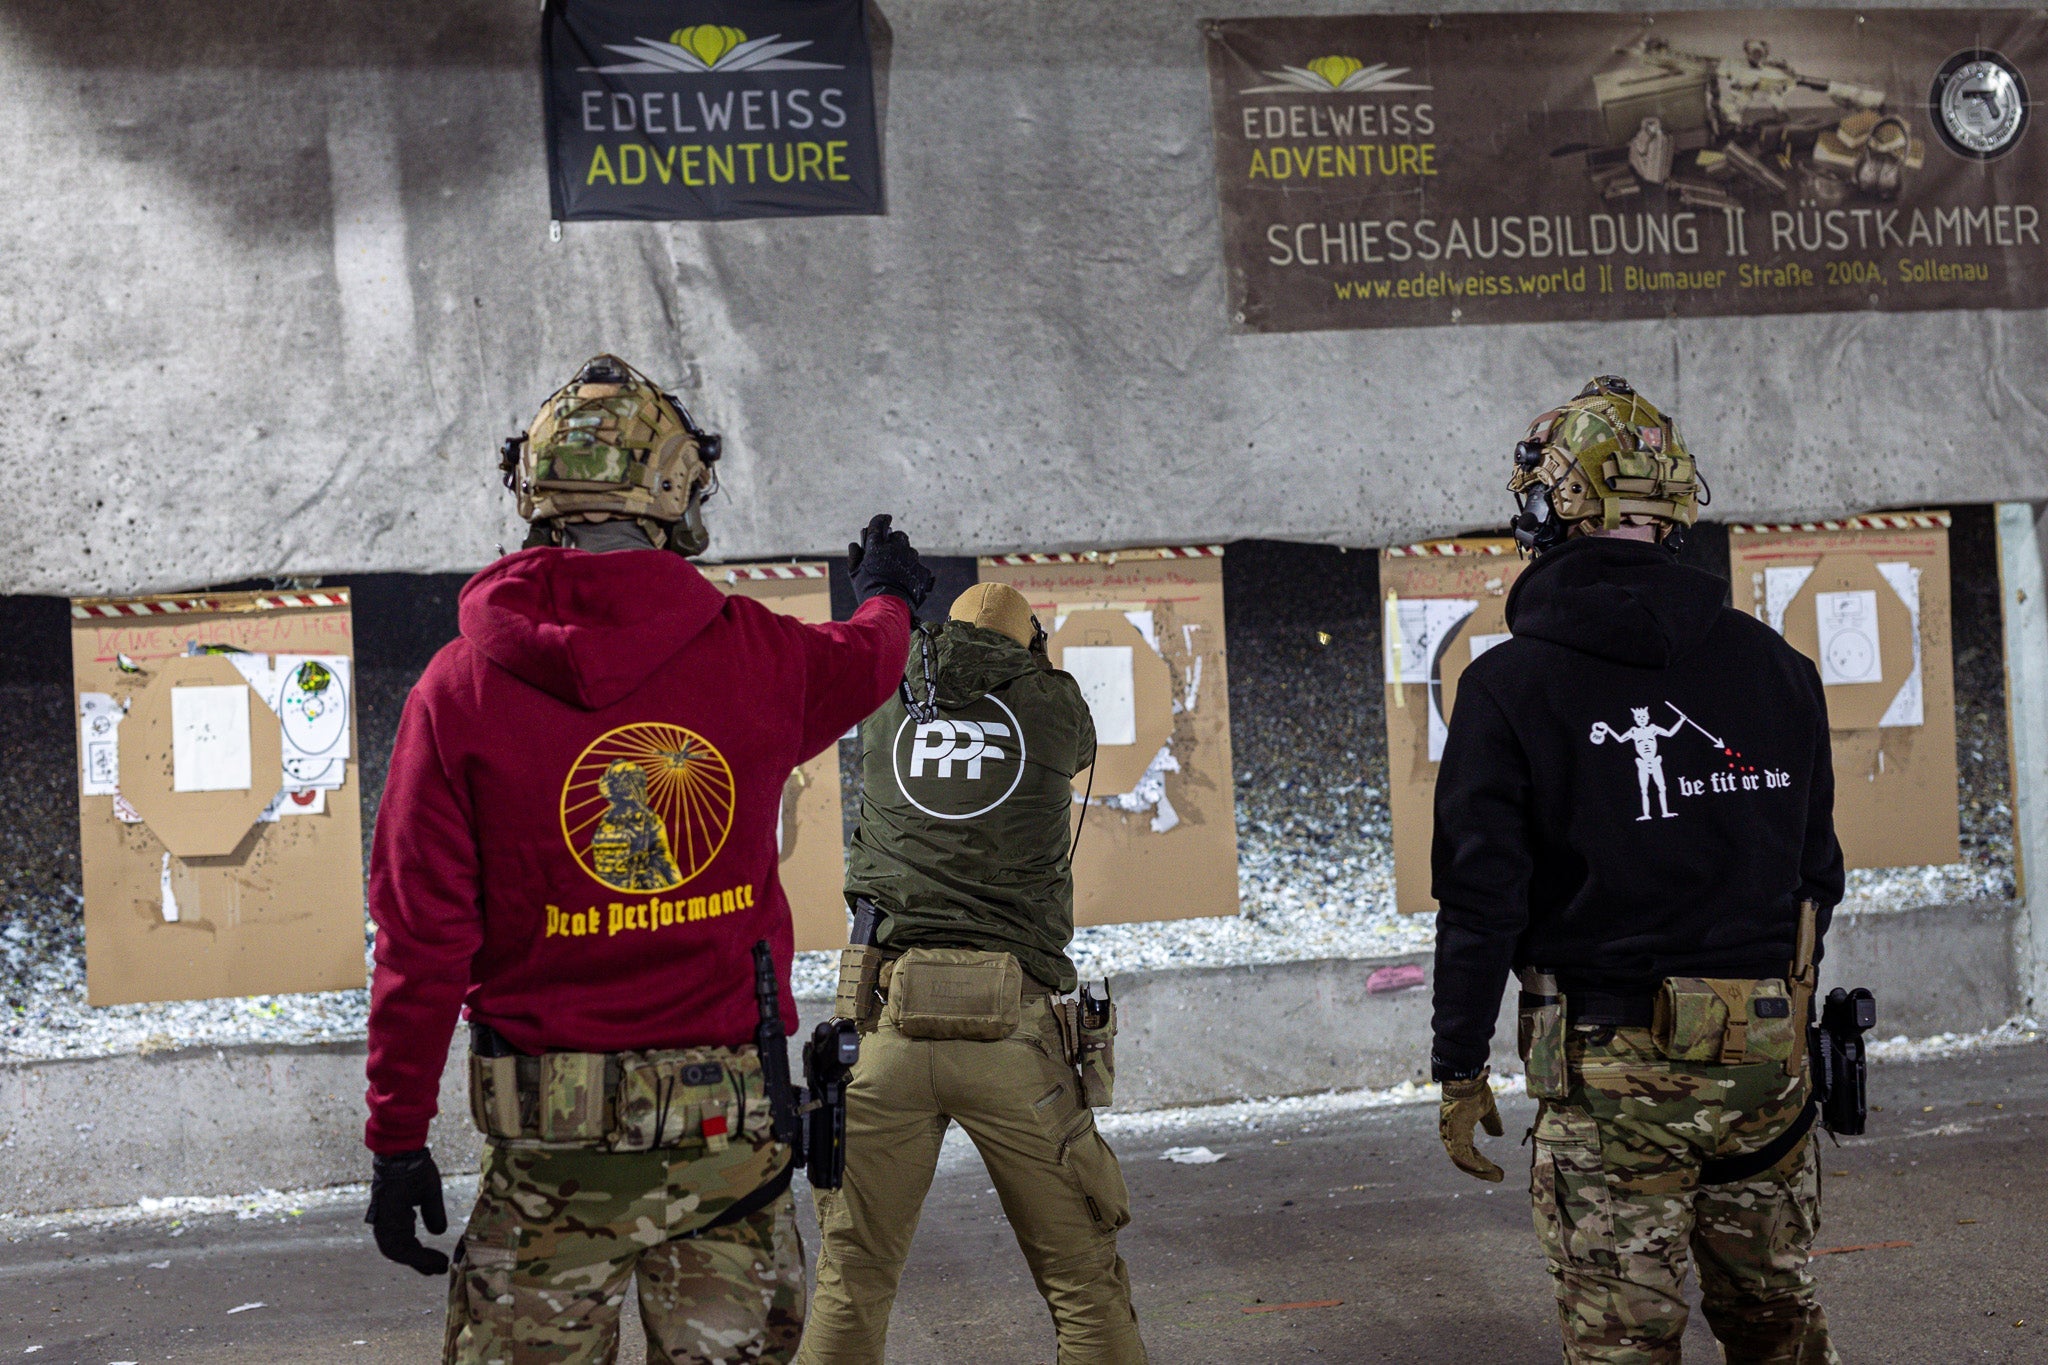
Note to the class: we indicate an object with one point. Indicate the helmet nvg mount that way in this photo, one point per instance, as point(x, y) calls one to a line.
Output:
point(611, 444)
point(1606, 459)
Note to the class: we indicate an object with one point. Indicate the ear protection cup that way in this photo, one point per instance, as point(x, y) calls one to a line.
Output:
point(1537, 528)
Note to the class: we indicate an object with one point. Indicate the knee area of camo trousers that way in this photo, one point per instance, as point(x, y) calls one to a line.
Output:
point(556, 1236)
point(1620, 1209)
point(1059, 1183)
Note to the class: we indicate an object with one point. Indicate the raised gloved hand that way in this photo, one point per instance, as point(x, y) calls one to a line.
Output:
point(398, 1185)
point(882, 560)
point(1468, 1104)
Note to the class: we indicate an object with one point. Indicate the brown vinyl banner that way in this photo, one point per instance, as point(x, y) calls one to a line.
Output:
point(1409, 170)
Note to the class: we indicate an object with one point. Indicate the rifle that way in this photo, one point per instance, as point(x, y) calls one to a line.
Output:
point(785, 1103)
point(809, 1119)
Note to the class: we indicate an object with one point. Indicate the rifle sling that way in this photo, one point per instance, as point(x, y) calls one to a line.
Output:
point(1727, 1170)
point(747, 1205)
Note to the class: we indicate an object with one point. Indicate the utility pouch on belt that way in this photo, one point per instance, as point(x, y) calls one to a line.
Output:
point(859, 997)
point(620, 1101)
point(955, 993)
point(1724, 1020)
point(1540, 1035)
point(1095, 1047)
point(494, 1095)
point(557, 1097)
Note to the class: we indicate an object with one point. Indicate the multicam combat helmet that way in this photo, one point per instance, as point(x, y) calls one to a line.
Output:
point(611, 444)
point(1610, 457)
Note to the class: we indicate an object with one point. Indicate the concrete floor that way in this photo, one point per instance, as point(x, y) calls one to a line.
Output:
point(1429, 1265)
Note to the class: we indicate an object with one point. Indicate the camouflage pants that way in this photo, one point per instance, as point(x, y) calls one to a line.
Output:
point(1059, 1183)
point(1620, 1209)
point(543, 1266)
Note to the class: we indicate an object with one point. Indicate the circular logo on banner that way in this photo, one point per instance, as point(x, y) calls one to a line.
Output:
point(962, 764)
point(647, 807)
point(1978, 104)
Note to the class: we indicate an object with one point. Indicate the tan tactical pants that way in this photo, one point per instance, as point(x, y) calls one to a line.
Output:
point(1058, 1181)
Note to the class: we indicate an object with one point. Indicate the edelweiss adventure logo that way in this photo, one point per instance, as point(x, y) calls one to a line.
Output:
point(700, 49)
point(962, 764)
point(1334, 76)
point(1353, 132)
point(726, 110)
point(647, 807)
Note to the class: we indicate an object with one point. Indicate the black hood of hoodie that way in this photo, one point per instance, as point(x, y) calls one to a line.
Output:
point(1625, 601)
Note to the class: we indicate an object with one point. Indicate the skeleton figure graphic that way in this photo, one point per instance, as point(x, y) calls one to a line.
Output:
point(1649, 763)
point(630, 848)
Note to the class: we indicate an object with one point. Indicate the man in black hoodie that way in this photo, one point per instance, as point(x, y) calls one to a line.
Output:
point(1635, 811)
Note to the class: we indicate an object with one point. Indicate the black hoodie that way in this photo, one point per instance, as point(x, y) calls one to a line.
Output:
point(1637, 785)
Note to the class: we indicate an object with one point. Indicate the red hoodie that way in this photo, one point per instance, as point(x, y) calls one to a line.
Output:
point(577, 837)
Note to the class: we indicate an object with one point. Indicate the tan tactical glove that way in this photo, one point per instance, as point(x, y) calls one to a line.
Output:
point(1469, 1103)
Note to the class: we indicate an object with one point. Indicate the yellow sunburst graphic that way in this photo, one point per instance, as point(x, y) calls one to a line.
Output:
point(647, 807)
point(707, 42)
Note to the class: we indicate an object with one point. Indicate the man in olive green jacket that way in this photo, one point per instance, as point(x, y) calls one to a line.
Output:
point(964, 846)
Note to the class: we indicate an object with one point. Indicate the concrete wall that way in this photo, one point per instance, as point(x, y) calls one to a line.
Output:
point(197, 1121)
point(279, 278)
point(225, 1121)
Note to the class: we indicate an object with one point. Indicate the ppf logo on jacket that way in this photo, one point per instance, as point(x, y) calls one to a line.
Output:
point(962, 764)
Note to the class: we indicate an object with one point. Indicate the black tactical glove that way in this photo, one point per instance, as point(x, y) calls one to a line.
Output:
point(398, 1185)
point(883, 561)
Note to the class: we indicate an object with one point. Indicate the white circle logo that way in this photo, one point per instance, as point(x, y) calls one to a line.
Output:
point(962, 764)
point(1979, 104)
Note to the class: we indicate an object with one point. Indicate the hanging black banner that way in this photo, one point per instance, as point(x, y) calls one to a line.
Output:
point(709, 109)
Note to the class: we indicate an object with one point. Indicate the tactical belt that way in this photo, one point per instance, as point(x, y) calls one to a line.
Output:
point(1030, 988)
point(1727, 1170)
point(1617, 1011)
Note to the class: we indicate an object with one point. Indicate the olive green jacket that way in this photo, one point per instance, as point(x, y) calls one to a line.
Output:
point(965, 821)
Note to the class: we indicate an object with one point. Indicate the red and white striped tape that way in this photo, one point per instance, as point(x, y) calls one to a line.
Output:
point(1430, 549)
point(155, 607)
point(186, 606)
point(1874, 521)
point(1111, 556)
point(760, 572)
point(302, 599)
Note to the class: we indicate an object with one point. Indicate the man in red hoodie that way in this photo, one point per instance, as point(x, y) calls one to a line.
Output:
point(577, 845)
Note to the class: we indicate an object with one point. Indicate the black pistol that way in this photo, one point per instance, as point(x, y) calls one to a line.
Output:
point(867, 917)
point(1841, 1071)
point(828, 1062)
point(785, 1104)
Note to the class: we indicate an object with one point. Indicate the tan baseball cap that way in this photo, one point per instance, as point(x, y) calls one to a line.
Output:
point(998, 607)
